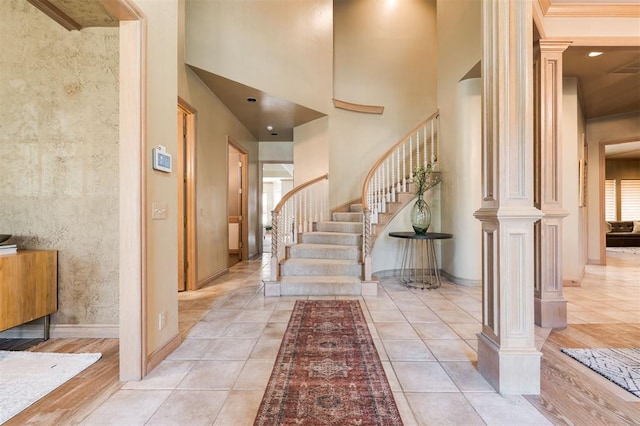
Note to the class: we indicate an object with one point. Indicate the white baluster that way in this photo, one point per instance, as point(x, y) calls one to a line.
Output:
point(424, 138)
point(410, 159)
point(404, 168)
point(417, 149)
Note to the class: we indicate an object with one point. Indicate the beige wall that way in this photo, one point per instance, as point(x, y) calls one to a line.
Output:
point(459, 50)
point(59, 155)
point(574, 236)
point(385, 54)
point(162, 188)
point(214, 122)
point(599, 131)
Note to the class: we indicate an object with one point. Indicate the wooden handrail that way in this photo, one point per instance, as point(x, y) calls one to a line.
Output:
point(297, 189)
point(383, 157)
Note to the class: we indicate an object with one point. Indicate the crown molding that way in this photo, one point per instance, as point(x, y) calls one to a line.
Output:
point(582, 10)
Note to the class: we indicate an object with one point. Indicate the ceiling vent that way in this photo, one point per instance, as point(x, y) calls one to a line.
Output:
point(632, 68)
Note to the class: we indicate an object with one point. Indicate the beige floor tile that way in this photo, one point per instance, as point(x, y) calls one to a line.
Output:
point(435, 331)
point(451, 350)
point(451, 409)
point(127, 407)
point(466, 376)
point(191, 349)
point(167, 375)
point(266, 349)
point(227, 315)
point(395, 330)
point(467, 331)
point(193, 408)
point(255, 375)
point(422, 315)
point(496, 409)
point(413, 304)
point(244, 329)
point(392, 379)
point(405, 410)
point(230, 349)
point(253, 316)
point(239, 409)
point(457, 316)
point(274, 330)
point(207, 375)
point(208, 329)
point(407, 350)
point(280, 316)
point(426, 376)
point(389, 315)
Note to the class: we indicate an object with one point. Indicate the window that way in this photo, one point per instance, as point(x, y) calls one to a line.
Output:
point(610, 211)
point(630, 199)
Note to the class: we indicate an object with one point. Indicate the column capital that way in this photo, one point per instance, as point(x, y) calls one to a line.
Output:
point(553, 45)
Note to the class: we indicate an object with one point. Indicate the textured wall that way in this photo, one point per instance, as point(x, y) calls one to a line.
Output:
point(59, 154)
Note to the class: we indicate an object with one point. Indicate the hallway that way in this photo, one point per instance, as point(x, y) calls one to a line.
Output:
point(426, 341)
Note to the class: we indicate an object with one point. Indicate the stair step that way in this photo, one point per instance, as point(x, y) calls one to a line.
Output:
point(324, 251)
point(347, 216)
point(308, 267)
point(345, 227)
point(356, 207)
point(338, 238)
point(320, 286)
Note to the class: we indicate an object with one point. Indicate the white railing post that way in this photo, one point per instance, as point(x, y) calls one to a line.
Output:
point(295, 214)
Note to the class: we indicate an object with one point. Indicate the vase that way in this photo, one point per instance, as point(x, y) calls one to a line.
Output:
point(420, 216)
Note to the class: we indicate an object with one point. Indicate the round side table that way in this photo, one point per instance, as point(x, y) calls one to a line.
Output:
point(419, 268)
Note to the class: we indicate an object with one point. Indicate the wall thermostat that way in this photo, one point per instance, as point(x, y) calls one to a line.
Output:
point(161, 159)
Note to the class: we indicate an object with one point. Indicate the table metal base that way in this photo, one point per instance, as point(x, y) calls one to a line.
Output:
point(419, 267)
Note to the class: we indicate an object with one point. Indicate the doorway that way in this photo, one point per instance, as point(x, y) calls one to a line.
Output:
point(277, 180)
point(185, 167)
point(237, 203)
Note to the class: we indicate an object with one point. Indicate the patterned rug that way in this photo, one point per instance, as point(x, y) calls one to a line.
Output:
point(621, 366)
point(328, 371)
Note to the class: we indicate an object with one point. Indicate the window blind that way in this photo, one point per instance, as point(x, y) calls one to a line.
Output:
point(610, 213)
point(630, 199)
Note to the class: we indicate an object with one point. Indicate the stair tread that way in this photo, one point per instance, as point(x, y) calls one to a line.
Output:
point(332, 233)
point(322, 261)
point(326, 246)
point(316, 278)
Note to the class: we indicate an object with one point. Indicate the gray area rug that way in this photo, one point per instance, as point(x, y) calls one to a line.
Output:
point(630, 250)
point(25, 377)
point(621, 366)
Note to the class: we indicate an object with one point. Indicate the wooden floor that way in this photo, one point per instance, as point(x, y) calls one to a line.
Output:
point(572, 394)
point(73, 401)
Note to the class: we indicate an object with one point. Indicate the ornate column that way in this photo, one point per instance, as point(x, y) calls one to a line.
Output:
point(507, 356)
point(550, 305)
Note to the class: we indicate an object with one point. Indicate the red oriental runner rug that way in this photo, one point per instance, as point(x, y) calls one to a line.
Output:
point(328, 371)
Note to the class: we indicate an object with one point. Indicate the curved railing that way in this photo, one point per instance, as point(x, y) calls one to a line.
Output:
point(392, 173)
point(296, 213)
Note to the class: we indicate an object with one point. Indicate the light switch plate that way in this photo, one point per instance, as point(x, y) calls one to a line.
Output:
point(158, 211)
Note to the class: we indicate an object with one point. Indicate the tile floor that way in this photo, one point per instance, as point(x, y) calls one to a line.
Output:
point(426, 340)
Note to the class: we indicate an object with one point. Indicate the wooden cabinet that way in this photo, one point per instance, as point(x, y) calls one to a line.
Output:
point(28, 286)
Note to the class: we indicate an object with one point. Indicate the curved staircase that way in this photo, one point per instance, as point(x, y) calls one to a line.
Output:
point(312, 256)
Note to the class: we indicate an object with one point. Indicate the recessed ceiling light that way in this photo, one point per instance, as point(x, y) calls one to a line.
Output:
point(594, 54)
point(251, 99)
point(269, 128)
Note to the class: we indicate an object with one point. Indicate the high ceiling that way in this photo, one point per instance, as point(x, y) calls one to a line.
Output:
point(609, 84)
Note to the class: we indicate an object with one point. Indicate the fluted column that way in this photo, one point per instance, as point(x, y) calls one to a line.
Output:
point(550, 305)
point(507, 356)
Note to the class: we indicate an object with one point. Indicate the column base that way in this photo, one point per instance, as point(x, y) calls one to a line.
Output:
point(513, 371)
point(550, 313)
